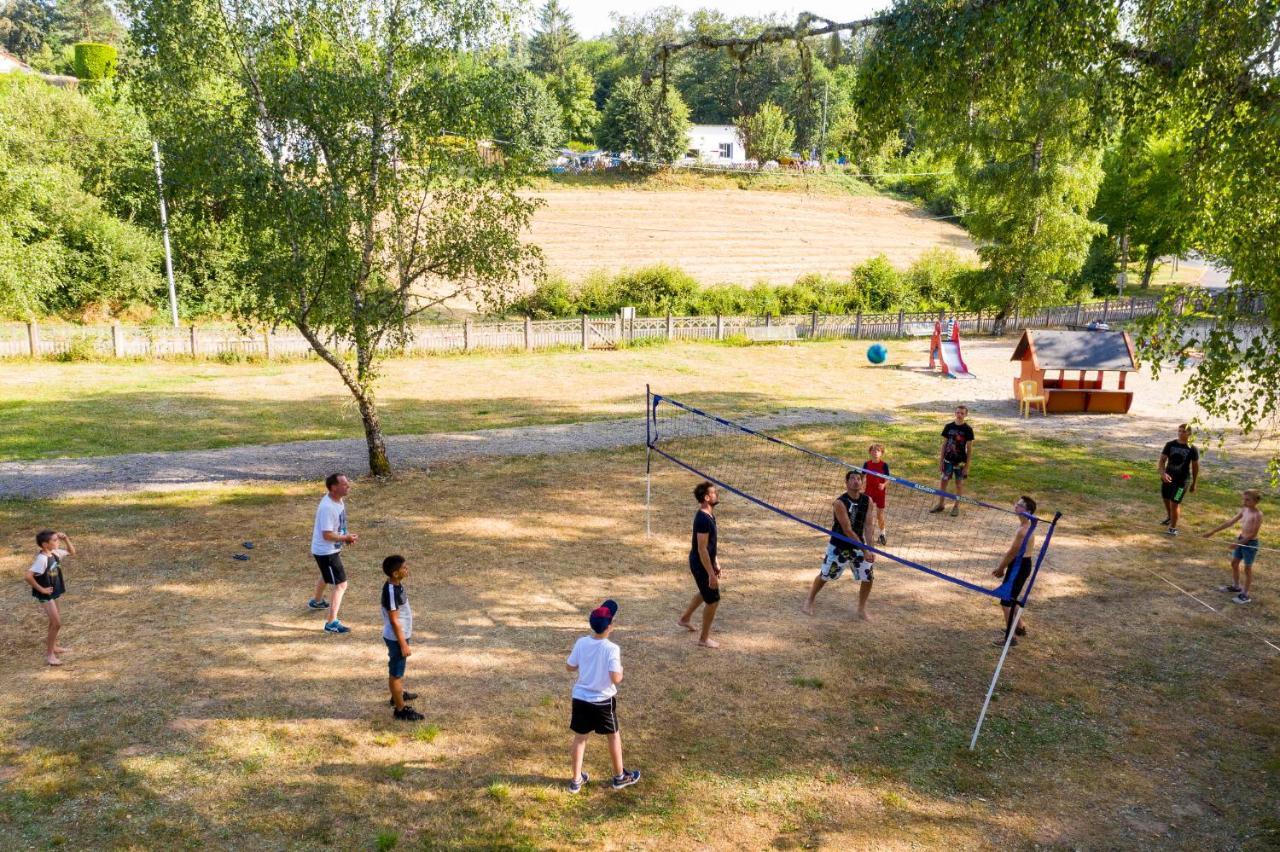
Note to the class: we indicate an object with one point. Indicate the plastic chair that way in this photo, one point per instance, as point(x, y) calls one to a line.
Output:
point(1030, 396)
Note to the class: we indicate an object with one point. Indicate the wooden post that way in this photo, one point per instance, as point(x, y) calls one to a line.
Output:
point(768, 319)
point(979, 331)
point(466, 335)
point(33, 338)
point(117, 339)
point(671, 327)
point(1106, 308)
point(617, 327)
point(857, 326)
point(902, 316)
point(813, 325)
point(1133, 308)
point(266, 343)
point(586, 341)
point(195, 350)
point(528, 334)
point(1015, 317)
point(719, 327)
point(1078, 307)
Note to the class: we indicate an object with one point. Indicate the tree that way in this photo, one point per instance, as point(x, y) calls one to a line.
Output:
point(573, 90)
point(87, 20)
point(1215, 66)
point(639, 119)
point(336, 138)
point(767, 135)
point(1142, 200)
point(25, 27)
point(552, 40)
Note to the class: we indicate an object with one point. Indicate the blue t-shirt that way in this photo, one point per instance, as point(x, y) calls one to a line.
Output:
point(703, 522)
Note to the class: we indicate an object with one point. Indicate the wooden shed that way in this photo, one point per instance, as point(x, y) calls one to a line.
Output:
point(1068, 368)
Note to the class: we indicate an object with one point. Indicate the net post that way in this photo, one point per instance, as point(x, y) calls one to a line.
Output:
point(1013, 626)
point(648, 458)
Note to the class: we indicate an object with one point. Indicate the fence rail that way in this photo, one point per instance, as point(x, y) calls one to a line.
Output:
point(122, 341)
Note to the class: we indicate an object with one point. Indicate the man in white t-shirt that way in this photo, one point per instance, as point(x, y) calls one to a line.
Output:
point(598, 663)
point(327, 538)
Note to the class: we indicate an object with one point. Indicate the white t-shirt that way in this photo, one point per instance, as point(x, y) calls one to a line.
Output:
point(331, 516)
point(595, 658)
point(41, 562)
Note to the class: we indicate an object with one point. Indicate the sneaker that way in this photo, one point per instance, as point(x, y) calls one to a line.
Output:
point(626, 779)
point(1233, 589)
point(407, 714)
point(1172, 531)
point(1165, 522)
point(881, 539)
point(936, 510)
point(1241, 598)
point(955, 510)
point(406, 695)
point(315, 604)
point(576, 784)
point(336, 626)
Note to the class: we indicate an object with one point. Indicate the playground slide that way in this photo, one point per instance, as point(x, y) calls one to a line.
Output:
point(954, 361)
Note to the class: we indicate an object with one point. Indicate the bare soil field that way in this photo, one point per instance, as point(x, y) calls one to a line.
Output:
point(733, 236)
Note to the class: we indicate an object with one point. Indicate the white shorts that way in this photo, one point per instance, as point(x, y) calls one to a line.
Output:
point(846, 557)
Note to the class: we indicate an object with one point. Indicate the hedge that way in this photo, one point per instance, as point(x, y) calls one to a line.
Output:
point(95, 61)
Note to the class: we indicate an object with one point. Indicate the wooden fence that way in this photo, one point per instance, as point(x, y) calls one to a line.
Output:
point(224, 341)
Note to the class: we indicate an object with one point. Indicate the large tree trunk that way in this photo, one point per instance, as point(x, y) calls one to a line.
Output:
point(379, 465)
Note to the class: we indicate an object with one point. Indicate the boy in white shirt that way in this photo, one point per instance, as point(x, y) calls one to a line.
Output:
point(598, 663)
point(47, 585)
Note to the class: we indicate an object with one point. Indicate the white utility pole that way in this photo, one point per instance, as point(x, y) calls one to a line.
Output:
point(164, 230)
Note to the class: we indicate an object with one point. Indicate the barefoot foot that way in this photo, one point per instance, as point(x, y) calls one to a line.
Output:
point(52, 660)
point(686, 625)
point(708, 643)
point(61, 650)
point(807, 609)
point(862, 616)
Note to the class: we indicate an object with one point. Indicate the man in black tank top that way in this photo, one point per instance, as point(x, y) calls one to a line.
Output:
point(845, 550)
point(1018, 560)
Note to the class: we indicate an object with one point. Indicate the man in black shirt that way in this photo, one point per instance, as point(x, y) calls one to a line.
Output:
point(1178, 462)
point(957, 452)
point(703, 564)
point(850, 517)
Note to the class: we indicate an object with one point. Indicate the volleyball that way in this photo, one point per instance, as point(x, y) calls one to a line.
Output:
point(877, 353)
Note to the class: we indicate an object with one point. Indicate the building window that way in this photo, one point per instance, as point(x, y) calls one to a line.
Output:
point(726, 150)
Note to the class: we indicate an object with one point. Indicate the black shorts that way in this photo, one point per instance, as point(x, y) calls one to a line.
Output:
point(709, 595)
point(592, 717)
point(1174, 491)
point(1019, 580)
point(45, 598)
point(331, 570)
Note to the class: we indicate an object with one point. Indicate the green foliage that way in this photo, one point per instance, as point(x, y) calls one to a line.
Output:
point(72, 178)
point(553, 39)
point(319, 143)
point(25, 28)
point(574, 90)
point(637, 118)
point(768, 134)
point(933, 282)
point(95, 62)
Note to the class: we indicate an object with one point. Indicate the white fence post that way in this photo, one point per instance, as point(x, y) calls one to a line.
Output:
point(719, 327)
point(671, 328)
point(857, 326)
point(266, 343)
point(466, 335)
point(195, 349)
point(33, 338)
point(585, 339)
point(117, 339)
point(528, 334)
point(902, 316)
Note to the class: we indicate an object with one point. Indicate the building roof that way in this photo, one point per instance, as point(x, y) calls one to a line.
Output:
point(1076, 350)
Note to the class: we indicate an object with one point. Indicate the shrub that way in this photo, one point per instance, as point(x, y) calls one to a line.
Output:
point(879, 286)
point(95, 61)
point(655, 290)
point(932, 279)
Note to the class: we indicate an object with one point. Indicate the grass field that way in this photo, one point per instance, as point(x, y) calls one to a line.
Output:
point(51, 409)
point(202, 706)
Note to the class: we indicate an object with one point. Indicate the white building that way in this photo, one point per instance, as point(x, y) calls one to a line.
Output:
point(715, 145)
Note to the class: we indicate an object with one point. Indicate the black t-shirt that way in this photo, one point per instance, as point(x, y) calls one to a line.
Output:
point(958, 436)
point(1180, 457)
point(703, 522)
point(51, 577)
point(857, 512)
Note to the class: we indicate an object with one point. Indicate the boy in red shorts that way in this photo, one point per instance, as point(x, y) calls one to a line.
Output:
point(876, 485)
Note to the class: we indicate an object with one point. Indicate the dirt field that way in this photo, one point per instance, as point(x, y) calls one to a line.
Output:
point(733, 236)
point(201, 705)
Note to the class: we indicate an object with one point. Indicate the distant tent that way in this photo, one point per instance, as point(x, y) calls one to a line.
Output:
point(1044, 353)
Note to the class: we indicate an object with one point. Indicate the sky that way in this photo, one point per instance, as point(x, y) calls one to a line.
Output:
point(591, 17)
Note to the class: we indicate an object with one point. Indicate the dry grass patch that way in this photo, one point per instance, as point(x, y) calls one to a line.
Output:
point(202, 704)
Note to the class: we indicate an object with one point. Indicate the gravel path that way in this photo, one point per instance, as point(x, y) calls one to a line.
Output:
point(300, 460)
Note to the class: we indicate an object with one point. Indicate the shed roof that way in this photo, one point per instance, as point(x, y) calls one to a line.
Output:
point(1076, 350)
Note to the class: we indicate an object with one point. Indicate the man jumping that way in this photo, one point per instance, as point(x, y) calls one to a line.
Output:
point(850, 510)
